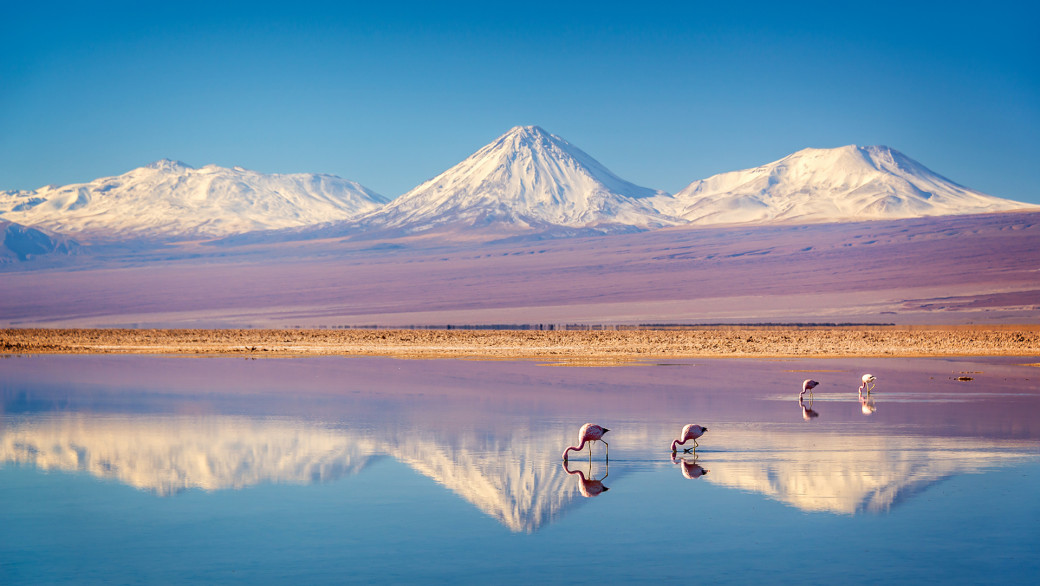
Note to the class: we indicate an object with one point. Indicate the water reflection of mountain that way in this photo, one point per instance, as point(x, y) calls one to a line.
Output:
point(514, 476)
point(515, 479)
point(850, 474)
point(168, 455)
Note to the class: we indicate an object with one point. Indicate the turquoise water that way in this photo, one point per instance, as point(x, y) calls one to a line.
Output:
point(336, 470)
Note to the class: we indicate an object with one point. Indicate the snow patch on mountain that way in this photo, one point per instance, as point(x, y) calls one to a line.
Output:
point(171, 200)
point(849, 183)
point(526, 178)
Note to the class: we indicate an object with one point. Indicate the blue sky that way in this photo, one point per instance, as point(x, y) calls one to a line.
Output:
point(391, 95)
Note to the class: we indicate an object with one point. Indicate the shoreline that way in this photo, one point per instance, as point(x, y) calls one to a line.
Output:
point(567, 346)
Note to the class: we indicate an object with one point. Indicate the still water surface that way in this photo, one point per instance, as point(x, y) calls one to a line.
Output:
point(134, 469)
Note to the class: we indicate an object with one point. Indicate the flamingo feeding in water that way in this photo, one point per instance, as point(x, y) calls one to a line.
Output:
point(689, 432)
point(866, 401)
point(587, 434)
point(808, 385)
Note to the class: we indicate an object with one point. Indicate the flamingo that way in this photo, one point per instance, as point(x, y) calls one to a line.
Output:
point(808, 385)
point(689, 432)
point(867, 402)
point(589, 433)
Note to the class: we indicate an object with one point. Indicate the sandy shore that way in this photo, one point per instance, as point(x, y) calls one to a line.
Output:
point(565, 346)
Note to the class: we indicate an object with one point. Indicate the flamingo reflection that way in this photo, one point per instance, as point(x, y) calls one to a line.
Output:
point(689, 432)
point(808, 413)
point(690, 468)
point(588, 486)
point(589, 433)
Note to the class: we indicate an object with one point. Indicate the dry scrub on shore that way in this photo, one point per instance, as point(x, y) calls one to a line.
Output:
point(572, 345)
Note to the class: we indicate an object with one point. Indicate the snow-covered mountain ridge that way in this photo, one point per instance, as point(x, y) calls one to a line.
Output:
point(526, 181)
point(168, 199)
point(850, 183)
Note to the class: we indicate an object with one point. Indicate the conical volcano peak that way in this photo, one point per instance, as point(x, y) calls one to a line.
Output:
point(525, 178)
point(530, 130)
point(530, 138)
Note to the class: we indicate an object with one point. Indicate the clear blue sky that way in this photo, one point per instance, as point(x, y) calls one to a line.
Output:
point(391, 94)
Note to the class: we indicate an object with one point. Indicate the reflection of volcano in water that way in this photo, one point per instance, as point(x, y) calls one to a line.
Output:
point(850, 474)
point(515, 479)
point(514, 476)
point(168, 455)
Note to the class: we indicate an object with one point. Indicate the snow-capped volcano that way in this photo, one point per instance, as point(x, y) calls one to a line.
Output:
point(169, 199)
point(828, 185)
point(525, 178)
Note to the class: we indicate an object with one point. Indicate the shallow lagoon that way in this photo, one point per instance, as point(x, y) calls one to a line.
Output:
point(172, 469)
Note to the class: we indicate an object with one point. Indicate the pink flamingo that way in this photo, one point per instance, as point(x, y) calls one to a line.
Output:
point(589, 487)
point(689, 432)
point(868, 383)
point(808, 385)
point(589, 433)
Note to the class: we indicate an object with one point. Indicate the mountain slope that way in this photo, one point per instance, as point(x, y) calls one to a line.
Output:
point(826, 185)
point(526, 178)
point(170, 200)
point(22, 243)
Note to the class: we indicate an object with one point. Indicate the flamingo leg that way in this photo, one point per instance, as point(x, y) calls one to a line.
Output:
point(608, 448)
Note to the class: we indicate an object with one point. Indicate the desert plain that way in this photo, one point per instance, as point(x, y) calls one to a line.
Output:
point(945, 286)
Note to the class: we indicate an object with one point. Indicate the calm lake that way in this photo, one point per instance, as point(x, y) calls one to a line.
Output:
point(143, 469)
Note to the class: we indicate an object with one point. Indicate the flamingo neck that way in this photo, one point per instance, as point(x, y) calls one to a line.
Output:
point(677, 443)
point(577, 448)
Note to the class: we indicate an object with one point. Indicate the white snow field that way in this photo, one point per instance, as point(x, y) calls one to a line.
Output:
point(171, 200)
point(850, 183)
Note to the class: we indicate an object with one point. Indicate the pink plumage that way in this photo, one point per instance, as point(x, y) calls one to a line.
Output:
point(589, 432)
point(808, 385)
point(689, 432)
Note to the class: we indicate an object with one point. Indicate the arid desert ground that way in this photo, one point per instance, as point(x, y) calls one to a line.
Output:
point(571, 346)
